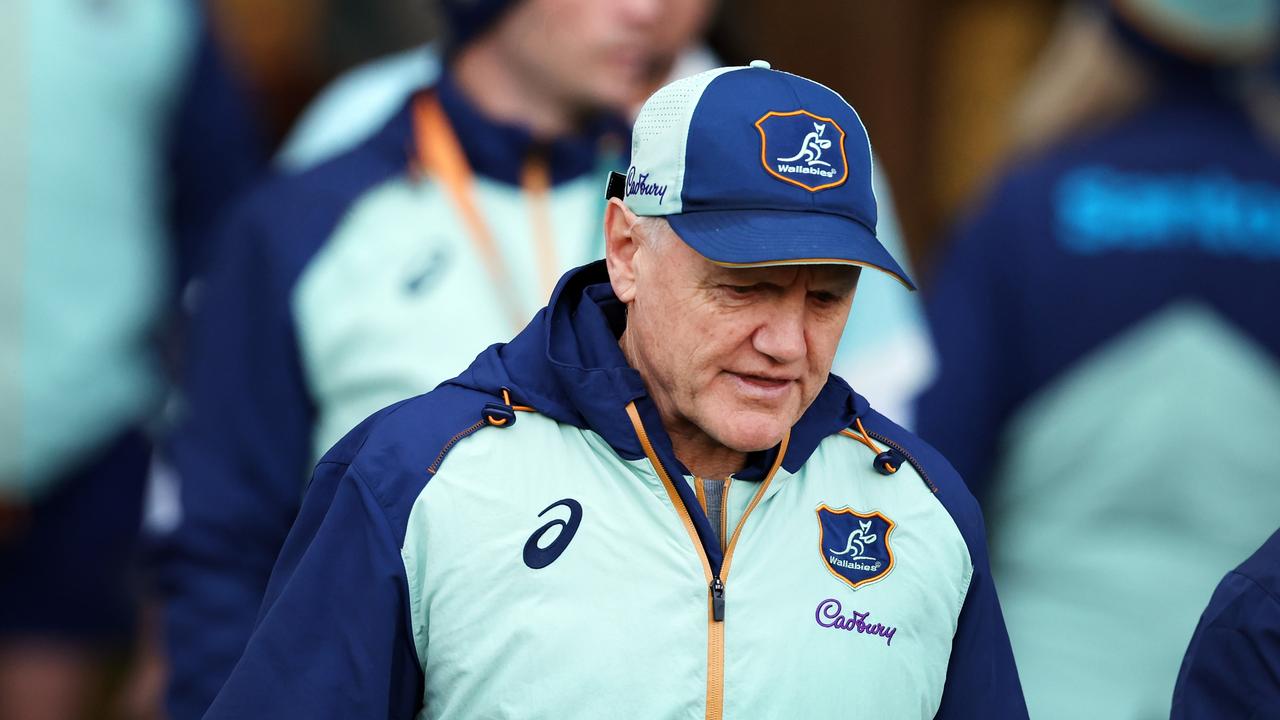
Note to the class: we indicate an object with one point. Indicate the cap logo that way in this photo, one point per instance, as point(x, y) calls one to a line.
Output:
point(638, 184)
point(803, 149)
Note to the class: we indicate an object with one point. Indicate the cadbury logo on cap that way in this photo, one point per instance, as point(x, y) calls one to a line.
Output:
point(638, 184)
point(803, 149)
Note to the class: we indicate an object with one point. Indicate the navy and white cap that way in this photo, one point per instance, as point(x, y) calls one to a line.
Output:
point(755, 167)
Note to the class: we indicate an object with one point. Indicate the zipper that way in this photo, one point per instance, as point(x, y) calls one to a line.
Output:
point(435, 466)
point(715, 581)
point(914, 463)
point(717, 599)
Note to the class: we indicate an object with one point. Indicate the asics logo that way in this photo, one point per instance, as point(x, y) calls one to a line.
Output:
point(812, 147)
point(537, 555)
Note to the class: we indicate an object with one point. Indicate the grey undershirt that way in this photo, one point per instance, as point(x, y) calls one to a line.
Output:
point(713, 490)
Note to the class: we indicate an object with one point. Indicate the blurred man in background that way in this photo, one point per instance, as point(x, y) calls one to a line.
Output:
point(886, 350)
point(1109, 355)
point(124, 137)
point(375, 275)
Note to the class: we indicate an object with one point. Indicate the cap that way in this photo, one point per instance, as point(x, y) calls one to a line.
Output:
point(465, 20)
point(756, 167)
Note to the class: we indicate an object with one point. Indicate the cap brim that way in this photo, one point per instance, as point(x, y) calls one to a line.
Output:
point(760, 238)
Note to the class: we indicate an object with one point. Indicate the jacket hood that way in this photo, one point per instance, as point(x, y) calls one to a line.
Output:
point(567, 365)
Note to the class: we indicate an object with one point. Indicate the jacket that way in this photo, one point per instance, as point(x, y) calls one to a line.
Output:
point(96, 250)
point(521, 542)
point(336, 292)
point(1112, 292)
point(1233, 661)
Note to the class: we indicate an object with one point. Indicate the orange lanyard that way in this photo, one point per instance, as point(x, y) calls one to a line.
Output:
point(441, 155)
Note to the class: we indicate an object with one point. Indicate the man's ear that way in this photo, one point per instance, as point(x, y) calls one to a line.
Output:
point(620, 246)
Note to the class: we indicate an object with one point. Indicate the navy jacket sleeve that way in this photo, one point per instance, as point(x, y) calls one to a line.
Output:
point(216, 151)
point(241, 452)
point(337, 607)
point(982, 677)
point(244, 448)
point(1232, 667)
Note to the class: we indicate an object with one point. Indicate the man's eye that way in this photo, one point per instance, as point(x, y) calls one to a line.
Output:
point(742, 289)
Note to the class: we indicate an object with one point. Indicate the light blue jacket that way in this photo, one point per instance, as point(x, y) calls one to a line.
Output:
point(521, 542)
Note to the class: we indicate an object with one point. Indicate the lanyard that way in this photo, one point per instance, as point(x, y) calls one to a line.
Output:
point(441, 155)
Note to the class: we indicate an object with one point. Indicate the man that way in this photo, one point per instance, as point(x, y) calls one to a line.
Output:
point(1116, 288)
point(376, 275)
point(615, 513)
point(1232, 667)
point(125, 133)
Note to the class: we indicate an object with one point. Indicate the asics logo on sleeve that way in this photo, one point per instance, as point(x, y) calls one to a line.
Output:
point(538, 556)
point(423, 274)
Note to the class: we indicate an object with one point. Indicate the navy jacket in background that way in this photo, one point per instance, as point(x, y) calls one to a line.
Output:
point(1043, 273)
point(268, 369)
point(1109, 386)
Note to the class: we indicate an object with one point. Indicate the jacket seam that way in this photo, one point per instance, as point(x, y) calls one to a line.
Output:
point(403, 574)
point(452, 442)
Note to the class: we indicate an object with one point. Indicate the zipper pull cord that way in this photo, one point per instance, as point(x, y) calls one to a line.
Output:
point(717, 599)
point(884, 459)
point(503, 414)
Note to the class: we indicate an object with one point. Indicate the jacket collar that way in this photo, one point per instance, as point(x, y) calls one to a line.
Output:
point(567, 365)
point(499, 151)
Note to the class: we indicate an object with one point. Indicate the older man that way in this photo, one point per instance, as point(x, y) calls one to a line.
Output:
point(615, 514)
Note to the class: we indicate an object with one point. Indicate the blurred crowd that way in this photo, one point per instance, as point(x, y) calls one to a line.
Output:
point(205, 285)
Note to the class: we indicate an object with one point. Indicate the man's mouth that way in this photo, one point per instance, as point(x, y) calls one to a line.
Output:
point(761, 387)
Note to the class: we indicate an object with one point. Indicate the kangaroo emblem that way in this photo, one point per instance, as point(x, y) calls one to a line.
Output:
point(858, 540)
point(812, 147)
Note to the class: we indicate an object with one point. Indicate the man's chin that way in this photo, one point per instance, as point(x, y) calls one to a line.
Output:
point(752, 432)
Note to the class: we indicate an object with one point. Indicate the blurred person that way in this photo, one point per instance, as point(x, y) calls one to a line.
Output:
point(359, 101)
point(613, 514)
point(1109, 356)
point(887, 348)
point(108, 193)
point(378, 273)
point(1232, 666)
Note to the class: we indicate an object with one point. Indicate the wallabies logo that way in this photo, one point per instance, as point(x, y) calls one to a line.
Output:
point(854, 545)
point(803, 149)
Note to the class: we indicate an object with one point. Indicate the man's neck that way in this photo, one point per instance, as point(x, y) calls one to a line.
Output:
point(505, 95)
point(703, 456)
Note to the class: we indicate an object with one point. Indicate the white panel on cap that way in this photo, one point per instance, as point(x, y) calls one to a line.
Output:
point(655, 180)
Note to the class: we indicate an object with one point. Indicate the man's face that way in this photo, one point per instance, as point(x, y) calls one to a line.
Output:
point(736, 355)
point(599, 54)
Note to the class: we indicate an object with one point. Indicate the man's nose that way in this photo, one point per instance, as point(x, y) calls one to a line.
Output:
point(781, 333)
